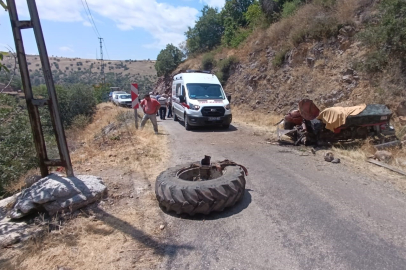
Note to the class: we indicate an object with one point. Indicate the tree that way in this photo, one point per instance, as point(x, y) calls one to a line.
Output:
point(2, 66)
point(232, 17)
point(207, 32)
point(271, 7)
point(254, 14)
point(234, 11)
point(168, 59)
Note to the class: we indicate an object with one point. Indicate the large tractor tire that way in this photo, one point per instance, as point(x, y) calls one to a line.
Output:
point(192, 197)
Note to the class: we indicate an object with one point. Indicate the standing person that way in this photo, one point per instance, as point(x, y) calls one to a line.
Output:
point(169, 105)
point(150, 107)
point(162, 110)
point(157, 96)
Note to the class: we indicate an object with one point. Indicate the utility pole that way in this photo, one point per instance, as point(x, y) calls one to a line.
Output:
point(33, 104)
point(101, 60)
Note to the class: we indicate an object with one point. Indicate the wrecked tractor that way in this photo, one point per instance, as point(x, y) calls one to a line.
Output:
point(308, 125)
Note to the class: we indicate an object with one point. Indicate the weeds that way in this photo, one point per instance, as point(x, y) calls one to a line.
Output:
point(208, 62)
point(225, 68)
point(81, 121)
point(280, 57)
point(385, 35)
point(239, 37)
point(289, 8)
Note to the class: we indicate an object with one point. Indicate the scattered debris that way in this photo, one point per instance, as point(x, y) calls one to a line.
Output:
point(383, 155)
point(388, 145)
point(336, 160)
point(329, 157)
point(162, 227)
point(13, 232)
point(373, 161)
point(56, 194)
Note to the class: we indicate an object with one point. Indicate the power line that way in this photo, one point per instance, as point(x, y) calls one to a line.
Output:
point(91, 17)
point(88, 18)
point(106, 50)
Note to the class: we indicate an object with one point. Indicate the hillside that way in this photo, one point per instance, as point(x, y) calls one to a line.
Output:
point(315, 53)
point(76, 70)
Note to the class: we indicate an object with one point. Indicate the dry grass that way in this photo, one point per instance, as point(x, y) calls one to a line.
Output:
point(357, 151)
point(260, 121)
point(17, 186)
point(111, 241)
point(122, 232)
point(126, 146)
point(143, 67)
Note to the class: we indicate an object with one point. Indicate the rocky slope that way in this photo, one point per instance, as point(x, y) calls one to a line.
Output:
point(326, 71)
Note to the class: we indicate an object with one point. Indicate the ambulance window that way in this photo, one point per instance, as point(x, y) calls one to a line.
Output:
point(178, 93)
point(183, 91)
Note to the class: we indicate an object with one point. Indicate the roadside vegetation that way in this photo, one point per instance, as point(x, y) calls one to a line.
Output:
point(77, 105)
point(123, 230)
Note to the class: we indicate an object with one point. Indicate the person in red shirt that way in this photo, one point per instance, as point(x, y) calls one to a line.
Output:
point(150, 106)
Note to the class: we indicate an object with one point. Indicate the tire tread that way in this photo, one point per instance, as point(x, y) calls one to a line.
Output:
point(181, 196)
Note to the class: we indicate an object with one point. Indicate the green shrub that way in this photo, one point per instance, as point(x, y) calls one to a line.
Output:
point(254, 15)
point(375, 61)
point(81, 121)
point(289, 8)
point(73, 100)
point(320, 27)
point(387, 38)
point(325, 3)
point(280, 57)
point(17, 151)
point(208, 62)
point(323, 27)
point(239, 37)
point(225, 67)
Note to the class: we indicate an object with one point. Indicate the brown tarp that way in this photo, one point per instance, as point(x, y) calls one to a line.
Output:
point(335, 117)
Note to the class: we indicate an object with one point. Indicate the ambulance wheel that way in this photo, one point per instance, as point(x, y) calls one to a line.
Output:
point(187, 126)
point(175, 117)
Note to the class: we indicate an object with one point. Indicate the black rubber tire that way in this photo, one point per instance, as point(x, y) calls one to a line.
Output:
point(187, 126)
point(175, 117)
point(188, 197)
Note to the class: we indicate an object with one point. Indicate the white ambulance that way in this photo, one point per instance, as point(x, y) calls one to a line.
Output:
point(198, 99)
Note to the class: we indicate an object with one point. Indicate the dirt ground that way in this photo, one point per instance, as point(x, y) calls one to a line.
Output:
point(126, 229)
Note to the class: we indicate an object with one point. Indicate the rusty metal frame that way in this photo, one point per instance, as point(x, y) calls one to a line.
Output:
point(33, 104)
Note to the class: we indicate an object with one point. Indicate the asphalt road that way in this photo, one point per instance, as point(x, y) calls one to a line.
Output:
point(298, 212)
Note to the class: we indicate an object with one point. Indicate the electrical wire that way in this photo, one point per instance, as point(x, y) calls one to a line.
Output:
point(91, 17)
point(88, 18)
point(105, 46)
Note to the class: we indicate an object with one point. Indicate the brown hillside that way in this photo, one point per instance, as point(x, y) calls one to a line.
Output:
point(324, 70)
point(66, 64)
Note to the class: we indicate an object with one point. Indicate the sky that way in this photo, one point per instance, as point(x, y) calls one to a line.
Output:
point(131, 29)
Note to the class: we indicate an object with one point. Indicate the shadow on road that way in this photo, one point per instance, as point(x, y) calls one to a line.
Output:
point(160, 248)
point(233, 210)
point(211, 128)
